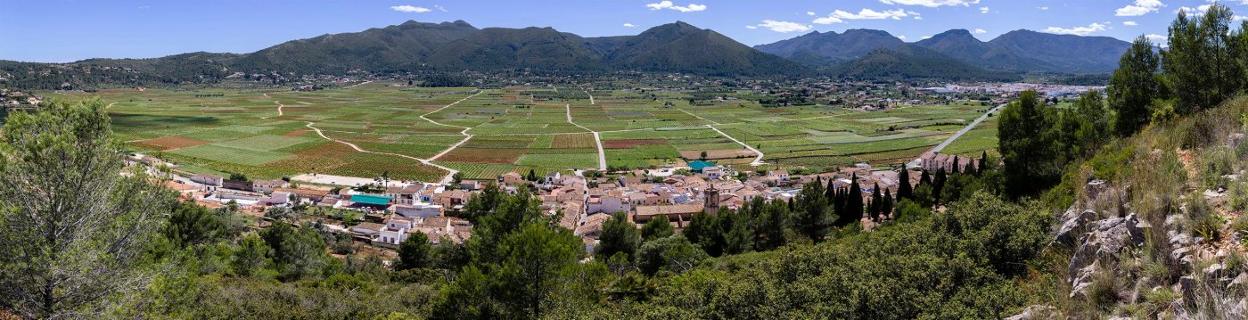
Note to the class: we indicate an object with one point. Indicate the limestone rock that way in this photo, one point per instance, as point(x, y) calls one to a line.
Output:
point(1235, 139)
point(1073, 226)
point(1035, 312)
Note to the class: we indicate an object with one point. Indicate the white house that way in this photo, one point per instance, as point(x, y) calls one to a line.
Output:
point(554, 178)
point(419, 210)
point(781, 176)
point(278, 197)
point(713, 173)
point(606, 204)
point(395, 231)
point(207, 179)
point(267, 186)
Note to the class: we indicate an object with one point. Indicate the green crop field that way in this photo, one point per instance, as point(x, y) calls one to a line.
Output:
point(512, 129)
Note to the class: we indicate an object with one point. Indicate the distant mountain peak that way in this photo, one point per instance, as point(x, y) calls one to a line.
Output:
point(456, 23)
point(954, 32)
point(873, 32)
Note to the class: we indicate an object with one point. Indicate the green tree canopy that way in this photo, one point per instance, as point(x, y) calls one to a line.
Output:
point(414, 252)
point(618, 236)
point(1025, 142)
point(1133, 87)
point(72, 227)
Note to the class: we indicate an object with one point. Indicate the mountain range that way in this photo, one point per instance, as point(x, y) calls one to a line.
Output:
point(673, 47)
point(1019, 51)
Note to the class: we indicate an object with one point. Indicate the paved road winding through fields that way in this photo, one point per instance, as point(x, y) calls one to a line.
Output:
point(963, 131)
point(758, 161)
point(602, 156)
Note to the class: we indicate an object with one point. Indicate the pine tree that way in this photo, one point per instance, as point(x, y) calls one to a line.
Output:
point(1201, 60)
point(1027, 145)
point(811, 218)
point(1133, 87)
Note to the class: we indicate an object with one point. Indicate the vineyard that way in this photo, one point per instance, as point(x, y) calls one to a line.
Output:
point(518, 129)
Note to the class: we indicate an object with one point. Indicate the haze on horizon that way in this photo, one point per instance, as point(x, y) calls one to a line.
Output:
point(144, 29)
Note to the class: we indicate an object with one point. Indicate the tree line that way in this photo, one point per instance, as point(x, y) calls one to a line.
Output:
point(1204, 64)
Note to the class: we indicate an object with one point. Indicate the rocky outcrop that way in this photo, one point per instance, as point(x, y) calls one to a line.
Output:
point(1074, 224)
point(1035, 312)
point(1100, 248)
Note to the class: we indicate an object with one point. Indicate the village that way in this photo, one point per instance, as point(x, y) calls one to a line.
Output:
point(382, 214)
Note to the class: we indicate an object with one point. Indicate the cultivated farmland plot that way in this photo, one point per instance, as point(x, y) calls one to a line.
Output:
point(511, 129)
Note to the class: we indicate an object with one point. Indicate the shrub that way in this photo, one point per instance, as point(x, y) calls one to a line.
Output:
point(1238, 195)
point(1204, 222)
point(1103, 293)
point(1216, 163)
point(1240, 225)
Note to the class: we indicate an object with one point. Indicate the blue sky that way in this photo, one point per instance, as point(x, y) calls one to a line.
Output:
point(67, 30)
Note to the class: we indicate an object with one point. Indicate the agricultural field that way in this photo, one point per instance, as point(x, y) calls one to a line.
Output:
point(392, 128)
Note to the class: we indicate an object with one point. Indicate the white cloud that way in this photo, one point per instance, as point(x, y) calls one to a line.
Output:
point(1130, 23)
point(1079, 30)
point(931, 3)
point(980, 31)
point(926, 37)
point(983, 9)
point(1043, 8)
point(1158, 39)
point(810, 13)
point(439, 7)
point(1139, 8)
point(629, 25)
point(692, 7)
point(410, 9)
point(783, 26)
point(751, 27)
point(1193, 11)
point(839, 16)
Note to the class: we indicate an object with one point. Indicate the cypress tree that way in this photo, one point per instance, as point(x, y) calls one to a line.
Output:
point(877, 201)
point(888, 202)
point(854, 204)
point(983, 162)
point(904, 189)
point(939, 184)
point(956, 165)
point(924, 178)
point(830, 191)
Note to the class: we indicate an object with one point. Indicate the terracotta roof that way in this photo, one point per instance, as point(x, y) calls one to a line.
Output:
point(649, 211)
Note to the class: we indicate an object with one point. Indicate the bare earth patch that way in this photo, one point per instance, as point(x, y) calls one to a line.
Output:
point(296, 133)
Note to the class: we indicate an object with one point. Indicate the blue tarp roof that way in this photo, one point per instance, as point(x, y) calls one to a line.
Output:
point(371, 199)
